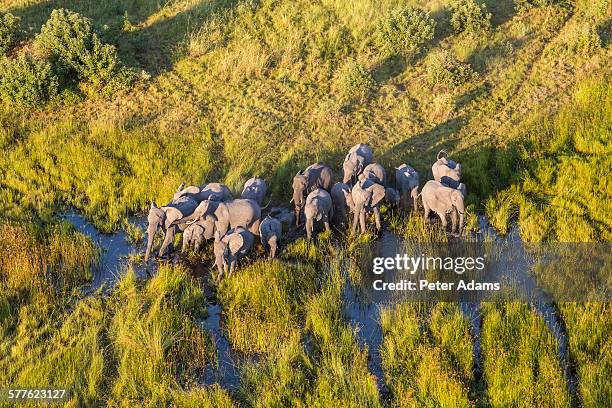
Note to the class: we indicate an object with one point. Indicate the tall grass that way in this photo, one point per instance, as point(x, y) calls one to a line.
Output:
point(427, 355)
point(521, 365)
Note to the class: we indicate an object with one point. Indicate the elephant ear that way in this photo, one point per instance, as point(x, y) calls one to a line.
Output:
point(236, 243)
point(378, 194)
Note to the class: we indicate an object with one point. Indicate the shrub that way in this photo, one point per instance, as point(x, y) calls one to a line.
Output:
point(405, 31)
point(26, 81)
point(8, 31)
point(354, 81)
point(470, 17)
point(69, 38)
point(524, 5)
point(444, 69)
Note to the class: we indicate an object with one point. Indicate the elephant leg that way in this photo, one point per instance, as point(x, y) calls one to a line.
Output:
point(362, 221)
point(356, 218)
point(453, 221)
point(443, 219)
point(232, 267)
point(377, 219)
point(427, 212)
point(196, 246)
point(297, 216)
point(168, 238)
point(326, 223)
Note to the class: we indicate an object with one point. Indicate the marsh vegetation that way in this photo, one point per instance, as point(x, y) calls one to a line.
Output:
point(151, 94)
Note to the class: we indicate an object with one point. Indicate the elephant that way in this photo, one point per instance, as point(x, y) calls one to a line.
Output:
point(392, 197)
point(446, 171)
point(318, 207)
point(227, 215)
point(365, 196)
point(340, 203)
point(193, 234)
point(374, 172)
point(286, 217)
point(210, 191)
point(407, 182)
point(462, 187)
point(164, 218)
point(315, 176)
point(358, 157)
point(255, 189)
point(443, 200)
point(270, 232)
point(230, 248)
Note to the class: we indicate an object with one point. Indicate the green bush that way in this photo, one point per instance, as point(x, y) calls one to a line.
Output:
point(69, 38)
point(524, 5)
point(470, 17)
point(444, 69)
point(8, 30)
point(354, 82)
point(405, 31)
point(26, 81)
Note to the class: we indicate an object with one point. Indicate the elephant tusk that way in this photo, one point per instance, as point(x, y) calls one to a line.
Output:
point(290, 201)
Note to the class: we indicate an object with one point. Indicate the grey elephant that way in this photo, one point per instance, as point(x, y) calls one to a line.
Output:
point(407, 183)
point(163, 218)
point(365, 197)
point(315, 176)
point(270, 232)
point(209, 191)
point(340, 204)
point(255, 189)
point(358, 157)
point(443, 200)
point(392, 197)
point(318, 207)
point(285, 215)
point(374, 172)
point(446, 171)
point(193, 235)
point(231, 248)
point(227, 215)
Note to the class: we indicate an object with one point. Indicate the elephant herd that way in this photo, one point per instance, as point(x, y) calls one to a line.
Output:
point(210, 212)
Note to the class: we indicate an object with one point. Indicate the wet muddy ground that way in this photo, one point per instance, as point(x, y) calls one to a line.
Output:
point(362, 305)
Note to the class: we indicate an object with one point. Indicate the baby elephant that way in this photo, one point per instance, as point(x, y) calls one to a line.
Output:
point(392, 197)
point(270, 231)
point(443, 200)
point(374, 172)
point(230, 248)
point(255, 189)
point(340, 204)
point(318, 207)
point(407, 182)
point(193, 235)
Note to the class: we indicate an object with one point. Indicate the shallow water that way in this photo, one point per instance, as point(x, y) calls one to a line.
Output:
point(362, 305)
point(114, 250)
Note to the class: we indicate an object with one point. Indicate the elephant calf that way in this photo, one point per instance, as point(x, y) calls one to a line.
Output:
point(193, 235)
point(365, 197)
point(230, 248)
point(255, 189)
point(270, 232)
point(340, 204)
point(392, 197)
point(443, 200)
point(407, 183)
point(318, 207)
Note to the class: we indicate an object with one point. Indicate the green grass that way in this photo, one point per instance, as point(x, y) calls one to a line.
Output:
point(427, 355)
point(520, 355)
point(237, 88)
point(590, 348)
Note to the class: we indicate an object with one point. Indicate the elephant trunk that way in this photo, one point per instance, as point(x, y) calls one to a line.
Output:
point(460, 223)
